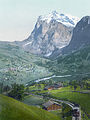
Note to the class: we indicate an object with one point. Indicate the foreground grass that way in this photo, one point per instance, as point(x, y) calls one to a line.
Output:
point(58, 113)
point(11, 109)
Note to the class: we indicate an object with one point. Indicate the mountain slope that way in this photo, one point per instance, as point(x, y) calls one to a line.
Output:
point(81, 36)
point(76, 63)
point(11, 109)
point(51, 32)
point(18, 66)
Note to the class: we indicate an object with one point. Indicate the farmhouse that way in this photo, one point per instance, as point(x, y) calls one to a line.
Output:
point(51, 105)
point(49, 88)
point(55, 86)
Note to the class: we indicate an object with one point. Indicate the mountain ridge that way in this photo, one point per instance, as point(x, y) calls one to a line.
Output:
point(66, 19)
point(51, 32)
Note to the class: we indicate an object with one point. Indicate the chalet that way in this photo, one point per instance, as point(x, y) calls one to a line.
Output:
point(51, 105)
point(55, 86)
point(49, 88)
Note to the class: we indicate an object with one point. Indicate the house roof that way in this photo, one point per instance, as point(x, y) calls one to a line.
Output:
point(49, 103)
point(47, 87)
point(57, 85)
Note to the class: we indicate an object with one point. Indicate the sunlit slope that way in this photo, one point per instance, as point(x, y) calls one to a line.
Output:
point(11, 109)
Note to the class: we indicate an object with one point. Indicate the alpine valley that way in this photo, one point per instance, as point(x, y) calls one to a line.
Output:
point(48, 70)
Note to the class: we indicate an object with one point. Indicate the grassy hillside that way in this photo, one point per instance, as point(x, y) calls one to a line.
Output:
point(11, 109)
point(19, 66)
point(77, 63)
point(80, 98)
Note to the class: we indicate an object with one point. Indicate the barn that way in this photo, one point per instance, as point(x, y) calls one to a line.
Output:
point(51, 105)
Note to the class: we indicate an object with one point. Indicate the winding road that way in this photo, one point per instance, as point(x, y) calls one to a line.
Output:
point(54, 76)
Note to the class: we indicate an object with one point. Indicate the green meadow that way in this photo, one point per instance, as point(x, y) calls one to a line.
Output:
point(33, 100)
point(80, 98)
point(11, 109)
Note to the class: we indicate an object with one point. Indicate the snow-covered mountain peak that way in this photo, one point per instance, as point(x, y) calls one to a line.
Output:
point(65, 19)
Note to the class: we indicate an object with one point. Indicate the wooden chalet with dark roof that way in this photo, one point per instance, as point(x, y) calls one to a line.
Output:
point(52, 87)
point(51, 105)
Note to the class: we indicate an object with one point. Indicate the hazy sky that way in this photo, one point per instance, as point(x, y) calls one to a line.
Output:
point(18, 17)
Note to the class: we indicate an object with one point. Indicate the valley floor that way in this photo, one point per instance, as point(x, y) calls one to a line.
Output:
point(67, 94)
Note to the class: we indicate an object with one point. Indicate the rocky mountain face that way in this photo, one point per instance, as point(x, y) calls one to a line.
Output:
point(81, 36)
point(52, 32)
